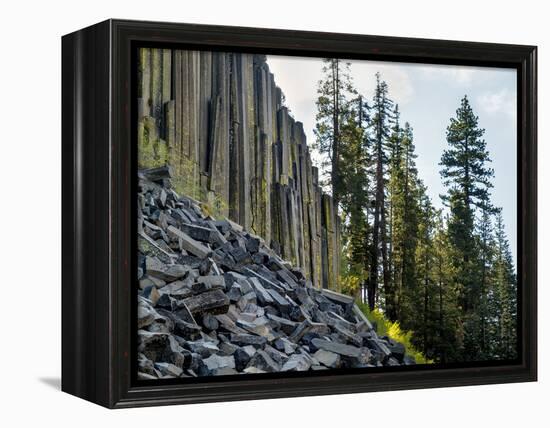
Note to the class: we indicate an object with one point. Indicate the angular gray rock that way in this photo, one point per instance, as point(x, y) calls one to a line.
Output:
point(169, 370)
point(297, 362)
point(153, 345)
point(215, 300)
point(327, 358)
point(210, 322)
point(248, 339)
point(261, 293)
point(285, 345)
point(146, 314)
point(262, 361)
point(337, 348)
point(155, 268)
point(212, 301)
point(242, 357)
point(216, 362)
point(189, 244)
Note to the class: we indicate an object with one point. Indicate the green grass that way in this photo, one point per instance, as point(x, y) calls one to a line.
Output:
point(393, 330)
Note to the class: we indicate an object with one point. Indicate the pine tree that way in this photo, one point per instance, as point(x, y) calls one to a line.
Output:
point(333, 105)
point(467, 178)
point(422, 298)
point(355, 189)
point(412, 194)
point(449, 278)
point(505, 291)
point(380, 127)
point(448, 329)
point(394, 190)
point(404, 195)
point(486, 255)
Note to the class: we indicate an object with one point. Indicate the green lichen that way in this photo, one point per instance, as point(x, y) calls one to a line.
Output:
point(152, 151)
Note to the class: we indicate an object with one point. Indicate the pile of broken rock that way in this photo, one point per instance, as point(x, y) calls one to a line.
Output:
point(215, 300)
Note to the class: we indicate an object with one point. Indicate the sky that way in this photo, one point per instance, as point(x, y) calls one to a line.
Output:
point(428, 96)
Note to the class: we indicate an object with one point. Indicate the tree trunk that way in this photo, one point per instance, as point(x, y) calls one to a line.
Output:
point(336, 133)
point(388, 290)
point(373, 272)
point(426, 308)
point(441, 314)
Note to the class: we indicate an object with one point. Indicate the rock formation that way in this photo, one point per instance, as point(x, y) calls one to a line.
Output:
point(215, 300)
point(219, 120)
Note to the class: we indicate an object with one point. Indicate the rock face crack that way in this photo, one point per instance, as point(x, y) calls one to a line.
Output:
point(214, 299)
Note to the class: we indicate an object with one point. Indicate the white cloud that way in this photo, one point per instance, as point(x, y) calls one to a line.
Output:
point(401, 89)
point(503, 101)
point(457, 74)
point(297, 77)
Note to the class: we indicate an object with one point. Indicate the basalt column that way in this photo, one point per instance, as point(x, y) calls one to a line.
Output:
point(218, 119)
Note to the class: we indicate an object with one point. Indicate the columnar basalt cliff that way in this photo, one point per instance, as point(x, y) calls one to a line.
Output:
point(219, 120)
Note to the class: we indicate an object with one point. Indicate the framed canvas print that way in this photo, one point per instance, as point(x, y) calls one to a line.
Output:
point(254, 213)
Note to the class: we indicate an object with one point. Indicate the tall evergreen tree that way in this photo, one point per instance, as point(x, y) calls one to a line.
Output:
point(395, 175)
point(446, 275)
point(381, 108)
point(486, 258)
point(505, 345)
point(333, 103)
point(405, 194)
point(355, 189)
point(422, 298)
point(467, 178)
point(412, 196)
point(448, 331)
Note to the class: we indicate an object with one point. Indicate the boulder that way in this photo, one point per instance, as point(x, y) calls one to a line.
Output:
point(198, 233)
point(285, 345)
point(256, 312)
point(285, 325)
point(202, 347)
point(153, 345)
point(262, 361)
point(279, 357)
point(280, 302)
point(151, 293)
point(228, 348)
point(189, 244)
point(155, 268)
point(207, 283)
point(217, 362)
point(327, 358)
point(297, 362)
point(158, 174)
point(242, 356)
point(257, 328)
point(261, 293)
point(248, 339)
point(168, 369)
point(337, 348)
point(210, 322)
point(214, 301)
point(146, 314)
point(146, 366)
point(186, 329)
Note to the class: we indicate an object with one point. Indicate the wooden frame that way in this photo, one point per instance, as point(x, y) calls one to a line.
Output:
point(99, 187)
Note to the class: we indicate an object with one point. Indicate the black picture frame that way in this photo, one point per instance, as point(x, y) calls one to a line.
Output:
point(98, 194)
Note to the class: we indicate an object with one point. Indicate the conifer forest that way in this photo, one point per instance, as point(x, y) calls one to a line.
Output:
point(261, 251)
point(447, 275)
